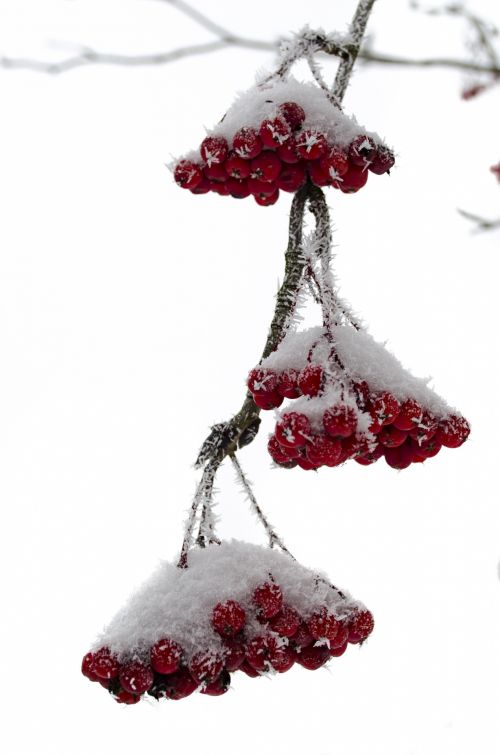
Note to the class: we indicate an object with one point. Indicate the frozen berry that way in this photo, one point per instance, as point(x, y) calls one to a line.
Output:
point(268, 400)
point(453, 431)
point(205, 666)
point(360, 626)
point(287, 153)
point(128, 698)
point(409, 415)
point(335, 163)
point(340, 421)
point(238, 189)
point(88, 667)
point(106, 664)
point(324, 450)
point(266, 166)
point(391, 437)
point(262, 380)
point(288, 384)
point(336, 652)
point(266, 200)
point(228, 618)
point(179, 685)
point(353, 180)
point(323, 625)
point(203, 187)
point(370, 457)
point(249, 670)
point(136, 677)
point(274, 132)
point(257, 653)
point(166, 656)
point(341, 637)
point(291, 178)
point(311, 379)
point(302, 637)
point(215, 173)
point(311, 145)
point(247, 143)
point(187, 174)
point(293, 429)
point(293, 114)
point(318, 176)
point(218, 687)
point(268, 598)
point(286, 622)
point(236, 167)
point(383, 160)
point(277, 452)
point(313, 657)
point(386, 407)
point(362, 150)
point(214, 150)
point(234, 653)
point(400, 457)
point(281, 656)
point(426, 428)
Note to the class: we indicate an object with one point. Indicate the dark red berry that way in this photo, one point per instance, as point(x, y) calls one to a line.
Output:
point(383, 160)
point(238, 189)
point(324, 450)
point(179, 685)
point(247, 143)
point(340, 421)
point(266, 200)
point(262, 380)
point(370, 457)
point(287, 153)
point(136, 677)
point(286, 622)
point(88, 667)
point(353, 180)
point(188, 174)
point(128, 698)
point(268, 598)
point(218, 687)
point(261, 188)
point(293, 114)
point(291, 178)
point(203, 187)
point(453, 431)
point(409, 415)
point(311, 145)
point(106, 664)
point(323, 625)
point(234, 653)
point(249, 670)
point(341, 637)
point(335, 163)
point(293, 430)
point(311, 379)
point(360, 626)
point(257, 653)
point(288, 384)
point(268, 400)
point(274, 132)
point(205, 666)
point(391, 437)
point(336, 652)
point(266, 166)
point(386, 407)
point(166, 656)
point(362, 150)
point(236, 167)
point(215, 173)
point(277, 452)
point(426, 428)
point(214, 150)
point(313, 657)
point(400, 457)
point(281, 656)
point(302, 637)
point(228, 618)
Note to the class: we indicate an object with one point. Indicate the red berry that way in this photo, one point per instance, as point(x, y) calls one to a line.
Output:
point(203, 187)
point(409, 415)
point(317, 174)
point(180, 685)
point(249, 670)
point(386, 407)
point(215, 173)
point(291, 178)
point(268, 598)
point(105, 665)
point(353, 180)
point(337, 652)
point(400, 457)
point(218, 687)
point(360, 626)
point(234, 654)
point(370, 457)
point(311, 145)
point(265, 200)
point(288, 384)
point(214, 150)
point(257, 653)
point(236, 167)
point(293, 430)
point(228, 618)
point(286, 622)
point(430, 447)
point(354, 446)
point(287, 153)
point(302, 637)
point(274, 132)
point(341, 637)
point(426, 428)
point(313, 657)
point(268, 400)
point(88, 667)
point(187, 174)
point(166, 656)
point(324, 450)
point(205, 666)
point(362, 150)
point(126, 697)
point(266, 167)
point(340, 420)
point(335, 163)
point(323, 625)
point(383, 160)
point(247, 143)
point(311, 379)
point(238, 189)
point(453, 431)
point(293, 114)
point(262, 380)
point(391, 437)
point(220, 187)
point(281, 656)
point(136, 677)
point(278, 454)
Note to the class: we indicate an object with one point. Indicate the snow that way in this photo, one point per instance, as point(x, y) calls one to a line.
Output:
point(178, 603)
point(363, 358)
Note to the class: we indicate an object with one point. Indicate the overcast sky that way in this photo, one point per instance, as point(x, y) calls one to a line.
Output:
point(131, 312)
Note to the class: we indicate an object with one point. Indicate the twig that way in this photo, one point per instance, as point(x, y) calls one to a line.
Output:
point(203, 494)
point(357, 32)
point(482, 224)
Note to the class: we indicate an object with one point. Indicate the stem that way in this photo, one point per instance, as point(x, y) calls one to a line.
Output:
point(203, 493)
point(274, 538)
point(357, 32)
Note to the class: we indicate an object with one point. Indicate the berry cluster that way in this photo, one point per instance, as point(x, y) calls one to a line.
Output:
point(265, 631)
point(273, 143)
point(342, 418)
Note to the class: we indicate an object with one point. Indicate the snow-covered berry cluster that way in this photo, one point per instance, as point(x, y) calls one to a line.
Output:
point(268, 143)
point(354, 401)
point(262, 615)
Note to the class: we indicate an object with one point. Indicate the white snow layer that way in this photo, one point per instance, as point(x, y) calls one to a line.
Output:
point(364, 359)
point(178, 603)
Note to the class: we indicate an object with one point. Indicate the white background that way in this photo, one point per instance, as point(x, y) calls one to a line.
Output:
point(130, 314)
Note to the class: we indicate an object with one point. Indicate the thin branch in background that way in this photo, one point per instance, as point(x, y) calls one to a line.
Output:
point(481, 224)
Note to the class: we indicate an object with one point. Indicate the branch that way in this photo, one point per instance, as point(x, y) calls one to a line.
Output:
point(357, 32)
point(482, 224)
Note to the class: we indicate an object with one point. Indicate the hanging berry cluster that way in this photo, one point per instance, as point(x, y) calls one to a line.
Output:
point(236, 607)
point(275, 138)
point(355, 401)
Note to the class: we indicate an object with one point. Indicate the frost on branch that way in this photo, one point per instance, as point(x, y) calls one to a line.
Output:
point(237, 606)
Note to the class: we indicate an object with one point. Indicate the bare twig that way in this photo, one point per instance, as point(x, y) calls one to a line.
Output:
point(357, 32)
point(482, 224)
point(203, 495)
